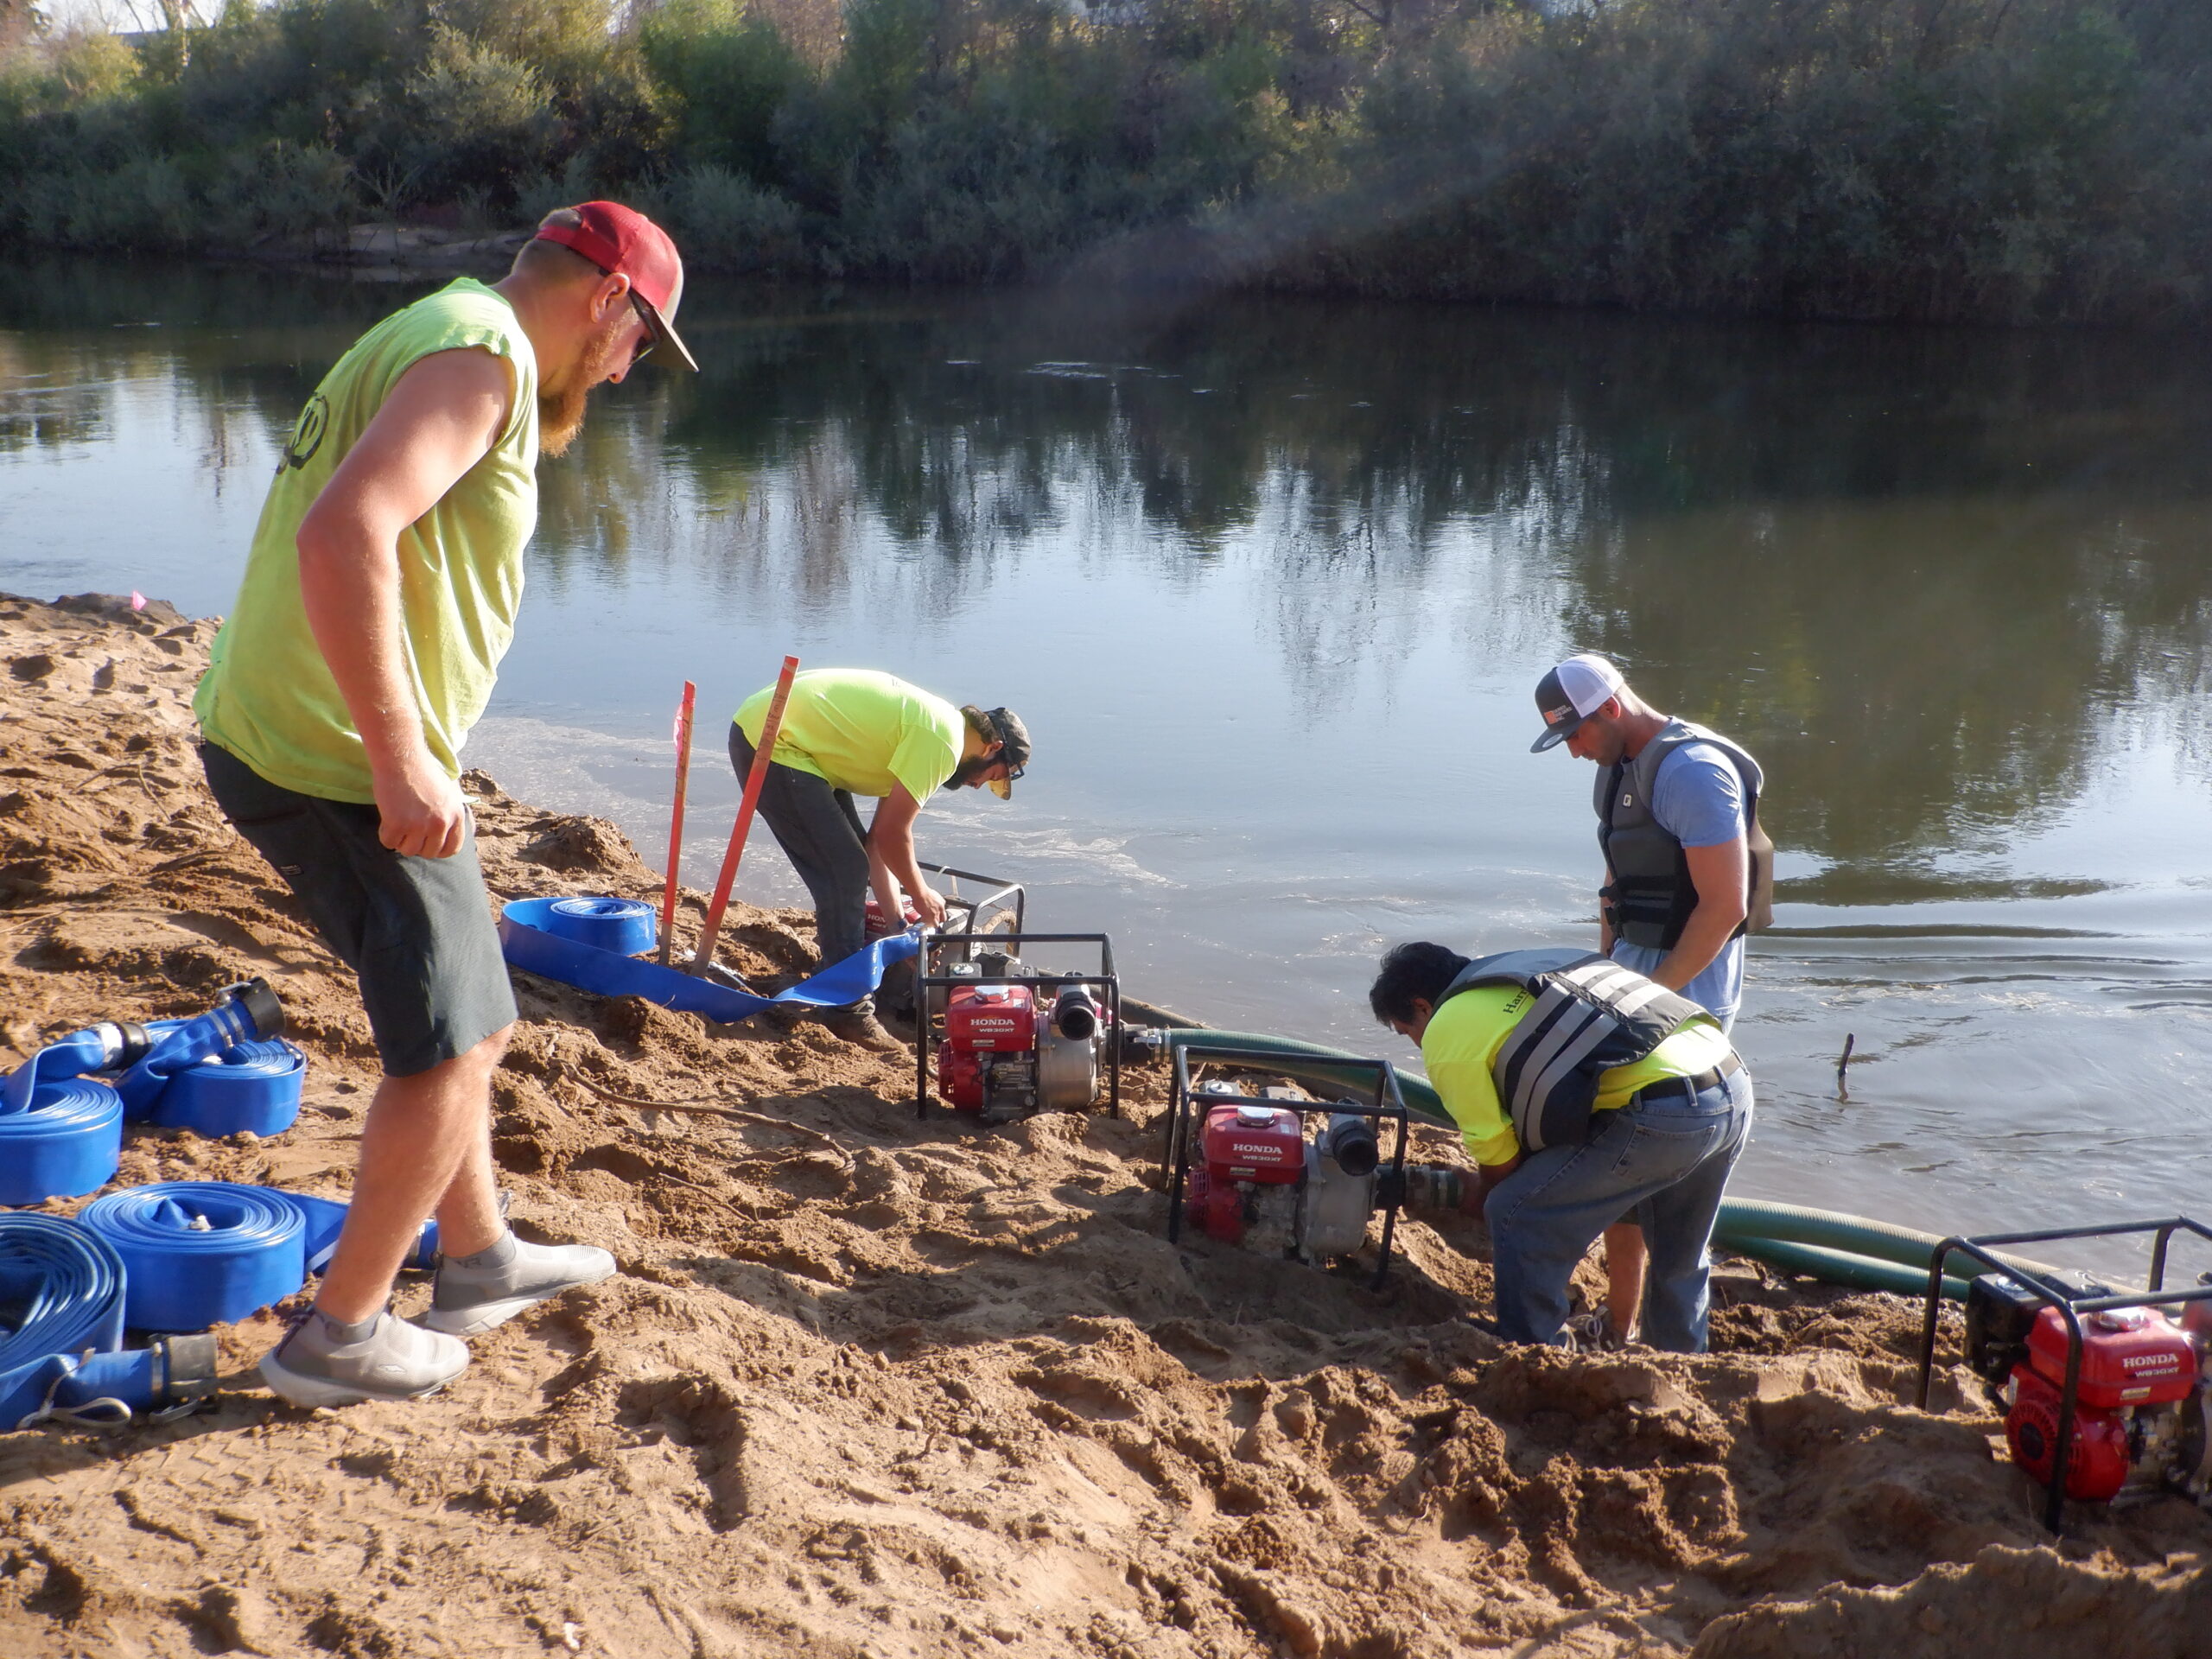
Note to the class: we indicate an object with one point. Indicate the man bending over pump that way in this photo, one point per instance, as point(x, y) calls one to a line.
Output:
point(857, 731)
point(1584, 1090)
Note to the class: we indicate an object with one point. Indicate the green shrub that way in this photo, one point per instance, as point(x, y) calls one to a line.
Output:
point(467, 117)
point(727, 72)
point(1993, 159)
point(724, 221)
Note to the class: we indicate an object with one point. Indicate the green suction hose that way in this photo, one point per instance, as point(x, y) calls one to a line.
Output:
point(1838, 1267)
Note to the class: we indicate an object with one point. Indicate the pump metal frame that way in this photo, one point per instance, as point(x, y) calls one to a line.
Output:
point(1000, 891)
point(928, 1023)
point(2071, 1304)
point(1389, 1107)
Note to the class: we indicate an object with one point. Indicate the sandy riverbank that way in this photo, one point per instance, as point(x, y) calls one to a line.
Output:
point(867, 1386)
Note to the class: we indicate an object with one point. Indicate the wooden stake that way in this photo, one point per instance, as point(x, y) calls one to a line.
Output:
point(676, 823)
point(754, 778)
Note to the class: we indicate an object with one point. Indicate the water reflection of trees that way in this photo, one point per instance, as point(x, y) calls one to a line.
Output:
point(1928, 573)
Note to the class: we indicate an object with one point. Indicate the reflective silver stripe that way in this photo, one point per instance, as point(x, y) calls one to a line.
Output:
point(1594, 976)
point(1531, 1023)
point(1562, 1067)
point(1526, 1036)
point(1634, 1001)
point(1569, 1029)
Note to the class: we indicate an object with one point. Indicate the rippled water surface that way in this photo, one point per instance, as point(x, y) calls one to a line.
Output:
point(1271, 581)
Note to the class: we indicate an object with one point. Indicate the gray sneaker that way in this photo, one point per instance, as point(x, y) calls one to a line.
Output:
point(475, 1293)
point(321, 1362)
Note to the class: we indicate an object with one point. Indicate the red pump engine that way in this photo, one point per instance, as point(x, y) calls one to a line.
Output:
point(2142, 1407)
point(1257, 1181)
point(1007, 1052)
point(1242, 1148)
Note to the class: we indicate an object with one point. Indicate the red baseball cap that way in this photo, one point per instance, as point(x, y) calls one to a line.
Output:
point(623, 242)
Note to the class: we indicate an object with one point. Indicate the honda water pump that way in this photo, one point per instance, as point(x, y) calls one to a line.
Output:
point(2143, 1399)
point(1011, 1039)
point(1243, 1169)
point(2107, 1395)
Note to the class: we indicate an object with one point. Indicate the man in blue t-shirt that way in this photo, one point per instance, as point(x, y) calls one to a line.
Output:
point(1685, 866)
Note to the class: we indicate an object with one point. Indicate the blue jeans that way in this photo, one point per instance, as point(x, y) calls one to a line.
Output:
point(1663, 1163)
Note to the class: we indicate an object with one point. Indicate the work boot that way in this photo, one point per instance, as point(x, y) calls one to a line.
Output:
point(474, 1293)
point(859, 1025)
point(322, 1363)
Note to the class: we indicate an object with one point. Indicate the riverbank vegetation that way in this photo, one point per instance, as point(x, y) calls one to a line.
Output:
point(2001, 159)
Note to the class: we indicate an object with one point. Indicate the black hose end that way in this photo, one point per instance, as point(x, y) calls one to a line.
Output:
point(1076, 1014)
point(190, 1365)
point(261, 1006)
point(1350, 1140)
point(136, 1044)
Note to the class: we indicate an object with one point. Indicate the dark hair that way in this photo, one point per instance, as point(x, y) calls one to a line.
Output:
point(1002, 727)
point(1420, 969)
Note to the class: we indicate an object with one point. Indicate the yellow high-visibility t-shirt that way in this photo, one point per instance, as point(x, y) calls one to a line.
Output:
point(1465, 1035)
point(268, 696)
point(862, 730)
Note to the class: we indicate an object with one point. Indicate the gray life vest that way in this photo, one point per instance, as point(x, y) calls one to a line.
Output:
point(1590, 1015)
point(1651, 895)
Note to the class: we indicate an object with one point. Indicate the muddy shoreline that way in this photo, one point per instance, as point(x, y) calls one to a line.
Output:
point(867, 1386)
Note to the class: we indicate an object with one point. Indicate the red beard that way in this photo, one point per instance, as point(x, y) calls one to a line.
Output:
point(561, 405)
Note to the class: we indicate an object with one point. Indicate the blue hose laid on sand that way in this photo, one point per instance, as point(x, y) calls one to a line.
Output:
point(61, 1133)
point(63, 1357)
point(202, 1253)
point(537, 935)
point(325, 1217)
point(625, 926)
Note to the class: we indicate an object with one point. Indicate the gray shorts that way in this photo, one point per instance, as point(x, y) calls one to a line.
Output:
point(418, 931)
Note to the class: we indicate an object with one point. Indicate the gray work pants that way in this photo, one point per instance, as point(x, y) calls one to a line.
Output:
point(819, 829)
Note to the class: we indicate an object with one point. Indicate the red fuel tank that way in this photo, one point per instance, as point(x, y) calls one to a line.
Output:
point(997, 1017)
point(1250, 1141)
point(2130, 1357)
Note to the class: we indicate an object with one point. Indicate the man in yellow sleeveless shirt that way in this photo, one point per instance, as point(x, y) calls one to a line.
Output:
point(1583, 1091)
point(379, 595)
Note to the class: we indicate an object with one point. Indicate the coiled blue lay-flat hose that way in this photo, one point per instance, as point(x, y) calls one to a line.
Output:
point(217, 1074)
point(201, 1253)
point(70, 1283)
point(61, 1133)
point(254, 1085)
point(204, 1252)
point(625, 927)
point(61, 1359)
point(136, 1259)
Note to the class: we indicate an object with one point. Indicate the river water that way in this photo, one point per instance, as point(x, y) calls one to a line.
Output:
point(1272, 582)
